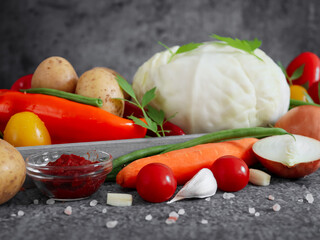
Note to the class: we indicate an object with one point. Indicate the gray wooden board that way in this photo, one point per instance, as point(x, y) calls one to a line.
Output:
point(115, 148)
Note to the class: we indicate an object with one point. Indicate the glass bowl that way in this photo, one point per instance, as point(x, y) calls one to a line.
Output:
point(68, 183)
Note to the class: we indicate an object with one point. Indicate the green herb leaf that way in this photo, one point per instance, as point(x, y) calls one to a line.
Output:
point(138, 121)
point(172, 116)
point(155, 115)
point(188, 47)
point(297, 73)
point(283, 69)
point(148, 96)
point(166, 47)
point(125, 86)
point(245, 45)
point(152, 125)
point(154, 118)
point(182, 49)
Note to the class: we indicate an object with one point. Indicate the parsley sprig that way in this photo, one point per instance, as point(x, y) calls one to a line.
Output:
point(295, 75)
point(182, 49)
point(154, 118)
point(246, 45)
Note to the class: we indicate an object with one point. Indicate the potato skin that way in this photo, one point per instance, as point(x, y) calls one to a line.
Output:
point(125, 94)
point(100, 82)
point(56, 73)
point(12, 171)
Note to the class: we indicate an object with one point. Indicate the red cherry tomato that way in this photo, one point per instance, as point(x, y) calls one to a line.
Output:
point(314, 92)
point(231, 173)
point(22, 83)
point(156, 183)
point(311, 70)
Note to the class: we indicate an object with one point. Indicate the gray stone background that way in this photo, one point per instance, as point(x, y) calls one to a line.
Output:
point(122, 34)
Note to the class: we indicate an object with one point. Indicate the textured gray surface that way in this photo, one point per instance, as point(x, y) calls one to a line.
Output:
point(226, 218)
point(122, 34)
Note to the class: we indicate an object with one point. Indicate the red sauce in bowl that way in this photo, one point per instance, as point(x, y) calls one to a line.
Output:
point(73, 183)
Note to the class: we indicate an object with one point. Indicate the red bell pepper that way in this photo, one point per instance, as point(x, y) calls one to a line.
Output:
point(68, 121)
point(22, 83)
point(172, 129)
point(311, 70)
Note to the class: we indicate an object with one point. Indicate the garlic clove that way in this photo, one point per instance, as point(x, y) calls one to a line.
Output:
point(259, 178)
point(202, 185)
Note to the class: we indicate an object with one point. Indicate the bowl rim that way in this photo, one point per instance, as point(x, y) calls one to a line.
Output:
point(106, 161)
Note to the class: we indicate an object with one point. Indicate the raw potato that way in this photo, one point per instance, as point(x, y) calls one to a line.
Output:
point(126, 95)
point(101, 83)
point(12, 171)
point(55, 73)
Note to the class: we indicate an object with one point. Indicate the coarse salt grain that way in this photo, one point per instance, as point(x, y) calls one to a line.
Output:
point(181, 211)
point(173, 214)
point(309, 198)
point(148, 217)
point(276, 207)
point(93, 203)
point(170, 220)
point(36, 201)
point(104, 210)
point(207, 199)
point(50, 201)
point(204, 221)
point(300, 200)
point(257, 214)
point(252, 210)
point(111, 224)
point(68, 210)
point(228, 195)
point(20, 213)
point(13, 215)
point(270, 197)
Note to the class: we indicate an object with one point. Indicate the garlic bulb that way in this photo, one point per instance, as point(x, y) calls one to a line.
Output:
point(202, 185)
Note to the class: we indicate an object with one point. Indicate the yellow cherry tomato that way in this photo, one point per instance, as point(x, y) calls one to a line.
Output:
point(26, 129)
point(298, 92)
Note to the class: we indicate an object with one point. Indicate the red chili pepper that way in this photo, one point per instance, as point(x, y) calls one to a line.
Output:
point(68, 121)
point(172, 129)
point(130, 109)
point(22, 83)
point(311, 70)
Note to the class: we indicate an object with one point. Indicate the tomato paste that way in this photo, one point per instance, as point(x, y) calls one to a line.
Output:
point(73, 183)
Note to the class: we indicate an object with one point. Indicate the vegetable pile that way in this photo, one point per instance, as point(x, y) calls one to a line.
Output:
point(253, 113)
point(72, 109)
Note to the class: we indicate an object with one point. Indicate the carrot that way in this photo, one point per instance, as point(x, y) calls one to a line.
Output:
point(185, 163)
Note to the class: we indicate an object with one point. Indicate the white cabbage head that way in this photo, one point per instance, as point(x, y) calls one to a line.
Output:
point(215, 87)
